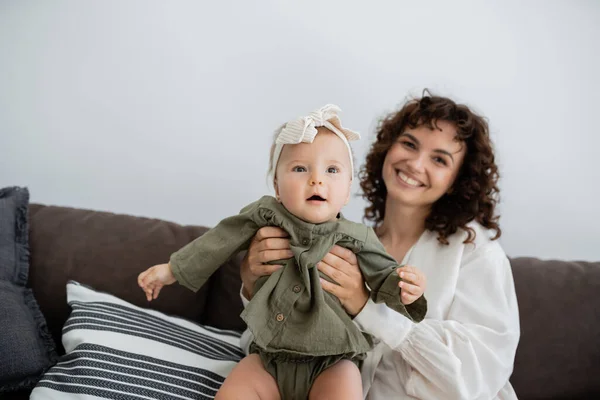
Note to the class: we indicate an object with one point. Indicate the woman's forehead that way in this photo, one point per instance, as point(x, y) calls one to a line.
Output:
point(444, 135)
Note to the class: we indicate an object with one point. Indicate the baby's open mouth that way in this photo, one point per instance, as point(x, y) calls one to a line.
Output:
point(316, 198)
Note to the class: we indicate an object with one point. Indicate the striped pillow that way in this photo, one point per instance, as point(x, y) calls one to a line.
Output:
point(115, 350)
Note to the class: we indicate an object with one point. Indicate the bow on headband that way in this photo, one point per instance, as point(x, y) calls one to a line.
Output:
point(304, 130)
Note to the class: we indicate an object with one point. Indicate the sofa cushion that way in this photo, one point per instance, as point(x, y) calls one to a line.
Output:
point(116, 350)
point(106, 251)
point(27, 349)
point(223, 303)
point(559, 350)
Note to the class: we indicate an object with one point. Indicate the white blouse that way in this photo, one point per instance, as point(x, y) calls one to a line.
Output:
point(465, 347)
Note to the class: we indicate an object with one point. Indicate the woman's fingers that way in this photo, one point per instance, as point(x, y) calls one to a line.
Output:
point(272, 255)
point(269, 232)
point(331, 287)
point(344, 262)
point(257, 261)
point(341, 266)
point(270, 244)
point(336, 274)
point(273, 243)
point(353, 300)
point(264, 269)
point(343, 253)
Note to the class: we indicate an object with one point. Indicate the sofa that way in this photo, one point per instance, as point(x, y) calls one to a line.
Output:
point(558, 355)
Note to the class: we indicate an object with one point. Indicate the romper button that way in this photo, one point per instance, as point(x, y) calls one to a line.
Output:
point(297, 289)
point(305, 242)
point(279, 317)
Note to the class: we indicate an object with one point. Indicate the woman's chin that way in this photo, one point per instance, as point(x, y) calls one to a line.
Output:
point(414, 200)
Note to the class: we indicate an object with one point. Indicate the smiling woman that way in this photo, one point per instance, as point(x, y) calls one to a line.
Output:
point(425, 162)
point(443, 152)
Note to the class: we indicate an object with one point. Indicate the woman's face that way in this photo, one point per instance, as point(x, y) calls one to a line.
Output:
point(422, 165)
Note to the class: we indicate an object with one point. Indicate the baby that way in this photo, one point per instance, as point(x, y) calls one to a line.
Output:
point(298, 329)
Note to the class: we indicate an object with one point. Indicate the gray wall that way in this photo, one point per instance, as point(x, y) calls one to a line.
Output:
point(166, 109)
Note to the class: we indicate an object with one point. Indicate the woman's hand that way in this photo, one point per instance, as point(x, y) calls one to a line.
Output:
point(341, 265)
point(269, 244)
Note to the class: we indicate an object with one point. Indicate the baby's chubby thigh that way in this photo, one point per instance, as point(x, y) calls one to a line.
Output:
point(249, 380)
point(340, 381)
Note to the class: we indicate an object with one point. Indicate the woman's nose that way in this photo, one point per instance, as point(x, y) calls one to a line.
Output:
point(416, 163)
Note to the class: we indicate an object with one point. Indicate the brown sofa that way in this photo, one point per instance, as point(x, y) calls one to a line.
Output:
point(558, 355)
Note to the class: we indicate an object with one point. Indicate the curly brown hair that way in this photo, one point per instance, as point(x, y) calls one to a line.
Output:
point(475, 191)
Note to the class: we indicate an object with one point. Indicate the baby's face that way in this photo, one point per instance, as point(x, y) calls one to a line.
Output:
point(313, 179)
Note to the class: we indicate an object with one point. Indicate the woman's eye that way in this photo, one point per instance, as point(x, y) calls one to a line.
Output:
point(299, 168)
point(332, 170)
point(410, 145)
point(440, 160)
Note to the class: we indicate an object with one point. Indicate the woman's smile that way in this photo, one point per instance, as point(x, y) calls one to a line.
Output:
point(409, 181)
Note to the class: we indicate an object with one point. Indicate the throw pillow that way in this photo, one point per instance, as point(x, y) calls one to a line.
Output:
point(115, 350)
point(27, 348)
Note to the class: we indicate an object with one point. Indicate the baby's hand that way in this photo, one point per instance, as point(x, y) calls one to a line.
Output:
point(154, 278)
point(412, 285)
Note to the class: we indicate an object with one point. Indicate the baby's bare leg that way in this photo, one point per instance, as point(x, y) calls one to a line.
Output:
point(341, 381)
point(249, 380)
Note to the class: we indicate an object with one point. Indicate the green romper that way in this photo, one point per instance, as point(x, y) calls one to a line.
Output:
point(299, 329)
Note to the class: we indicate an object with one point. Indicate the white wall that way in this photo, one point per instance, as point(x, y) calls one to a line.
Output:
point(165, 109)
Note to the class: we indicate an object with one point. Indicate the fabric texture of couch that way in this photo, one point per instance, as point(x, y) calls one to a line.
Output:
point(558, 355)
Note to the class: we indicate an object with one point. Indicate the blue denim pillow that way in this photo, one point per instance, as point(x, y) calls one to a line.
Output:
point(27, 348)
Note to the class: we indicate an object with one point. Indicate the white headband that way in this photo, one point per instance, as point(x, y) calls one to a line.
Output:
point(304, 129)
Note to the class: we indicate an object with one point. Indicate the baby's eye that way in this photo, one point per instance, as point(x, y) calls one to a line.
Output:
point(299, 168)
point(333, 170)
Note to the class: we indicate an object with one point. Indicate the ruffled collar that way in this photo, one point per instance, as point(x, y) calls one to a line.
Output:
point(280, 216)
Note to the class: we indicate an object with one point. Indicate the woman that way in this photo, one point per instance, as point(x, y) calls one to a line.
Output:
point(431, 181)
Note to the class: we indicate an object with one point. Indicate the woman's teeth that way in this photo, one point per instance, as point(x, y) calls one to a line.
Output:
point(408, 180)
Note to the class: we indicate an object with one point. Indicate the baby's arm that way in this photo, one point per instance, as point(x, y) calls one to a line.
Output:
point(154, 278)
point(382, 274)
point(413, 283)
point(193, 265)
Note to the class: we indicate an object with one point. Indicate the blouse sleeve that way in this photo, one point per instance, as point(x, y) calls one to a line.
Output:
point(470, 354)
